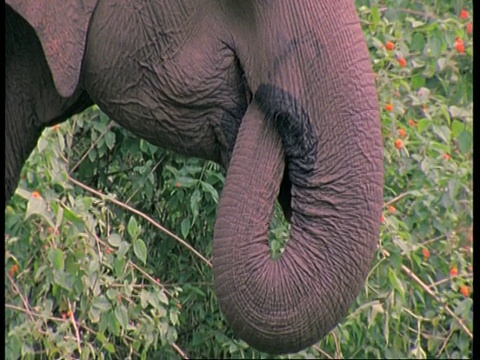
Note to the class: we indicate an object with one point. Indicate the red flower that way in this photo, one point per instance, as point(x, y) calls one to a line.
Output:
point(464, 14)
point(402, 62)
point(382, 219)
point(389, 107)
point(390, 45)
point(13, 270)
point(399, 144)
point(453, 271)
point(36, 195)
point(391, 209)
point(179, 184)
point(402, 132)
point(412, 122)
point(465, 290)
point(470, 28)
point(426, 253)
point(459, 45)
point(447, 156)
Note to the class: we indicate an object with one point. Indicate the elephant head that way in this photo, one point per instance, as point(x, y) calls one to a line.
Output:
point(308, 130)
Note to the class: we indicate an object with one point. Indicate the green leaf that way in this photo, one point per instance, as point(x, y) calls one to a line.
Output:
point(418, 42)
point(114, 239)
point(94, 315)
point(38, 206)
point(459, 113)
point(465, 141)
point(443, 132)
point(423, 124)
point(396, 283)
point(162, 297)
point(140, 249)
point(121, 314)
point(457, 127)
point(122, 249)
point(74, 219)
point(418, 81)
point(64, 279)
point(211, 190)
point(110, 139)
point(375, 17)
point(57, 258)
point(133, 228)
point(195, 200)
point(101, 303)
point(185, 227)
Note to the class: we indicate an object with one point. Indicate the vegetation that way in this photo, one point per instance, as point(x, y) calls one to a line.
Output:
point(91, 273)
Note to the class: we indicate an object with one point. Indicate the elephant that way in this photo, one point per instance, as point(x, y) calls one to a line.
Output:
point(279, 92)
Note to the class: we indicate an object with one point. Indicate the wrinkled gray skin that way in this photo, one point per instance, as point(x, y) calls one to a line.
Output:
point(270, 89)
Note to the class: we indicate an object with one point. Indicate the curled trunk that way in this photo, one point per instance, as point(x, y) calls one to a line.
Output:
point(315, 109)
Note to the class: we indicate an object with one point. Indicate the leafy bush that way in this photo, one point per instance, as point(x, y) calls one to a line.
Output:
point(91, 275)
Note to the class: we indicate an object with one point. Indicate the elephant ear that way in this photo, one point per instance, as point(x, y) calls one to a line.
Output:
point(61, 26)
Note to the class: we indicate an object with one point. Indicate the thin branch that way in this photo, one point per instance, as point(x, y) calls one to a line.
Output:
point(432, 294)
point(395, 199)
point(180, 351)
point(447, 279)
point(328, 356)
point(25, 303)
point(77, 334)
point(445, 343)
point(144, 216)
point(338, 351)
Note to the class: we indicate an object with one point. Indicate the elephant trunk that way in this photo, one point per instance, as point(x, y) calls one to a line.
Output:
point(314, 108)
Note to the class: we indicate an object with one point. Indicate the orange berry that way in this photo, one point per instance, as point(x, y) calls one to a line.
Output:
point(465, 290)
point(402, 62)
point(412, 122)
point(470, 28)
point(447, 156)
point(391, 209)
point(13, 270)
point(453, 271)
point(402, 132)
point(399, 144)
point(464, 14)
point(426, 253)
point(389, 107)
point(459, 45)
point(390, 45)
point(70, 313)
point(36, 195)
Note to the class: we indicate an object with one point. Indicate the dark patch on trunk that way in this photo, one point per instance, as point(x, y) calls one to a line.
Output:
point(293, 124)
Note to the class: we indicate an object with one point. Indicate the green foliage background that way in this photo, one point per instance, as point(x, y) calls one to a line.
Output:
point(93, 276)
